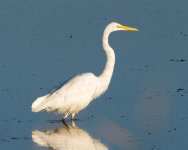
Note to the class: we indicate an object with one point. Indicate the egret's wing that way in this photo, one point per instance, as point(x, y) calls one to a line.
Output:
point(59, 86)
point(78, 88)
point(77, 91)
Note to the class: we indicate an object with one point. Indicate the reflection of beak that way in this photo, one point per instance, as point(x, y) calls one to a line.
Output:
point(127, 28)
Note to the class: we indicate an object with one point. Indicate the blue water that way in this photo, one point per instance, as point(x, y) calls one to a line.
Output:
point(43, 43)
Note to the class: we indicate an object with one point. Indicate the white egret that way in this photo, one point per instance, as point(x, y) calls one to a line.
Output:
point(79, 91)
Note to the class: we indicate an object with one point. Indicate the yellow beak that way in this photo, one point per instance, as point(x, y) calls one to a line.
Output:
point(127, 28)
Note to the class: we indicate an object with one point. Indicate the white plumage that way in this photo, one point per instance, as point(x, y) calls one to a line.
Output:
point(79, 91)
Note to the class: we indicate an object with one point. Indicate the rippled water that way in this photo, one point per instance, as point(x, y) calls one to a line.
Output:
point(43, 44)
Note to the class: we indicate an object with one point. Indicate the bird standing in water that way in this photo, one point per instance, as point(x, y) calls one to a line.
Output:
point(80, 90)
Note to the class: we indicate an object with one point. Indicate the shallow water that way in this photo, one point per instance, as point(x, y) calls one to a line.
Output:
point(43, 44)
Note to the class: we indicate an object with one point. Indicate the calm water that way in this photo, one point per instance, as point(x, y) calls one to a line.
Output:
point(43, 43)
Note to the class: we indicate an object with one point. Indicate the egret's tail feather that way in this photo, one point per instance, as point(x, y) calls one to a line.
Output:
point(39, 104)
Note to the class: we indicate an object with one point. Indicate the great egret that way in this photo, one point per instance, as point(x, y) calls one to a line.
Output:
point(80, 90)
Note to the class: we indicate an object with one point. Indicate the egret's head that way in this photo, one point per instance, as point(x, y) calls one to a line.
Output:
point(116, 26)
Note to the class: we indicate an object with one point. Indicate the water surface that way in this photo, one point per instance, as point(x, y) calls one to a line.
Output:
point(43, 44)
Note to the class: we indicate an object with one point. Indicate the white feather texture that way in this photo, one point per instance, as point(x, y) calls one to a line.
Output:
point(71, 138)
point(78, 92)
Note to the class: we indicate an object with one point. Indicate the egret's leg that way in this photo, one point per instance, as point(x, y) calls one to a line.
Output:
point(73, 124)
point(73, 115)
point(65, 116)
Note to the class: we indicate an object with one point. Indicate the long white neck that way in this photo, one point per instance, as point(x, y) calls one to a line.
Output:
point(106, 74)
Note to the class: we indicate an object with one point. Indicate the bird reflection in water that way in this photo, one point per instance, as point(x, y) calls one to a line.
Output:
point(67, 138)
